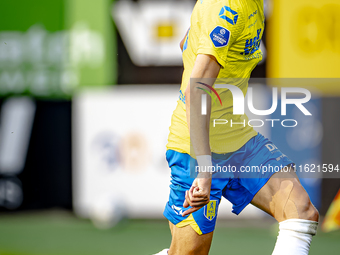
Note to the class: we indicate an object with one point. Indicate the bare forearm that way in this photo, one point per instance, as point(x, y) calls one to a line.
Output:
point(205, 67)
point(198, 124)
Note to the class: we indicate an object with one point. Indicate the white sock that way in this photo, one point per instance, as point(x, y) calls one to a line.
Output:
point(163, 252)
point(295, 237)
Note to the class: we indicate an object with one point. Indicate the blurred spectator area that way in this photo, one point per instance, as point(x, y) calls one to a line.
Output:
point(168, 31)
point(43, 181)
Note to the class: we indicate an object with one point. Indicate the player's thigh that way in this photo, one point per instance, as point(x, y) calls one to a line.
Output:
point(186, 241)
point(283, 197)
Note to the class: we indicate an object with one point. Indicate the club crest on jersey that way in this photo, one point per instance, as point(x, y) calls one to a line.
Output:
point(210, 210)
point(229, 15)
point(220, 37)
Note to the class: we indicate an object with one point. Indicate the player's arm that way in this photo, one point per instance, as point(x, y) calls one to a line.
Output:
point(206, 66)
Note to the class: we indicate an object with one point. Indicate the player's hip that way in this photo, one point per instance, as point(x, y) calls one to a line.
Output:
point(255, 157)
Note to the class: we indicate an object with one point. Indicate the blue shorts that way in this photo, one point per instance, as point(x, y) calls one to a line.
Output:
point(238, 177)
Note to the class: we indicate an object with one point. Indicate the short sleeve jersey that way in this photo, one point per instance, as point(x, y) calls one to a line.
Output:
point(231, 31)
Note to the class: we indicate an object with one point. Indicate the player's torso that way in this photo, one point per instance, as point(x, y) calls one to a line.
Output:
point(235, 32)
point(244, 53)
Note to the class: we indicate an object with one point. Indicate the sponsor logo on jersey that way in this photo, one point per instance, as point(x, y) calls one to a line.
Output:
point(252, 15)
point(229, 15)
point(210, 210)
point(220, 37)
point(252, 45)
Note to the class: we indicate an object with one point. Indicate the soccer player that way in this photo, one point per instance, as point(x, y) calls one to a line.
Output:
point(223, 42)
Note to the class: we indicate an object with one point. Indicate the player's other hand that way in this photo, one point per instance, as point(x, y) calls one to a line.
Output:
point(199, 193)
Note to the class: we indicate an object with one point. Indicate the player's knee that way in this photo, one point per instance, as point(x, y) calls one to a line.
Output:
point(292, 202)
point(305, 208)
point(312, 213)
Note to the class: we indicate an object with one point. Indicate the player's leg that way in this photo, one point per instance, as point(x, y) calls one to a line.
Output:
point(286, 200)
point(191, 234)
point(283, 197)
point(186, 240)
point(279, 194)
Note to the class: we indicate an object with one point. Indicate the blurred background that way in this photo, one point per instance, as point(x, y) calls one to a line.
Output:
point(82, 147)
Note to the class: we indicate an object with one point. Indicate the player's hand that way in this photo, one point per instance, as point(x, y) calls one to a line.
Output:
point(198, 195)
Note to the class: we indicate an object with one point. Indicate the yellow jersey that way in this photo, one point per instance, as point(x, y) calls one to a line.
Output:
point(231, 31)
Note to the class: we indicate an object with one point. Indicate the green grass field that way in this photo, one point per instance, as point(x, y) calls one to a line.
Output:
point(63, 234)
